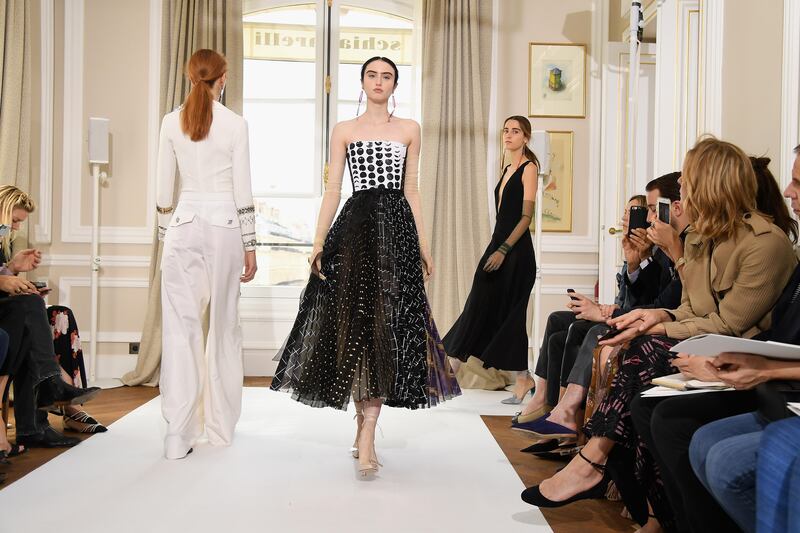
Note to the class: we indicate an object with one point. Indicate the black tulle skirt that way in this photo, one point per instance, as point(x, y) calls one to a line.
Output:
point(366, 330)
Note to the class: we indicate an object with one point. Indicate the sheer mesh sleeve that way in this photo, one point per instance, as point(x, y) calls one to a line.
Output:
point(411, 189)
point(523, 225)
point(333, 190)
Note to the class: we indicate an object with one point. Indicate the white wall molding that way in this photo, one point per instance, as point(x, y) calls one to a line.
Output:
point(72, 164)
point(153, 112)
point(678, 117)
point(712, 43)
point(74, 170)
point(113, 336)
point(568, 269)
point(63, 260)
point(67, 283)
point(114, 365)
point(44, 224)
point(561, 290)
point(790, 92)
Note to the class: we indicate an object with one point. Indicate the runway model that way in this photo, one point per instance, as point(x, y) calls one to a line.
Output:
point(208, 239)
point(364, 328)
point(492, 326)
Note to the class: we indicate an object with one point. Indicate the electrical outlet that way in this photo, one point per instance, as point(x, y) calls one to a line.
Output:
point(133, 348)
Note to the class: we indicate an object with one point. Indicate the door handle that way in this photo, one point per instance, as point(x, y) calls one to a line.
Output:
point(615, 231)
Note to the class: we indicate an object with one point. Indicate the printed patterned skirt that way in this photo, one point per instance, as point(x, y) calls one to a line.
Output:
point(67, 343)
point(366, 330)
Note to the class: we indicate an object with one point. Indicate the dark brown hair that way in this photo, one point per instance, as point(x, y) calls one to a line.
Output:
point(769, 199)
point(525, 126)
point(667, 185)
point(385, 60)
point(204, 68)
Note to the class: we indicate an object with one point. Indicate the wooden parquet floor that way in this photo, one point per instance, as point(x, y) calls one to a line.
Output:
point(597, 516)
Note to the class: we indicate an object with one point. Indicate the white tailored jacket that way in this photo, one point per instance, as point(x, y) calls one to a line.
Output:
point(218, 164)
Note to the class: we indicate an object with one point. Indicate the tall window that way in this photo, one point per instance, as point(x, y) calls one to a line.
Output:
point(297, 84)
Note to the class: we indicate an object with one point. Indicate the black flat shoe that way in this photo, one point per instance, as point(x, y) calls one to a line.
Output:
point(542, 447)
point(15, 450)
point(534, 496)
point(53, 392)
point(50, 438)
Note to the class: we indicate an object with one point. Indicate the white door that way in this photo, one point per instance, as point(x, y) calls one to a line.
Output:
point(617, 184)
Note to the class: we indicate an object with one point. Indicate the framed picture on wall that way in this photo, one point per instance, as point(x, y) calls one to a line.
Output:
point(557, 193)
point(557, 80)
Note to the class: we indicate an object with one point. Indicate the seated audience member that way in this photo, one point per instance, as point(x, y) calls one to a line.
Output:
point(565, 331)
point(726, 290)
point(6, 448)
point(652, 284)
point(38, 381)
point(666, 425)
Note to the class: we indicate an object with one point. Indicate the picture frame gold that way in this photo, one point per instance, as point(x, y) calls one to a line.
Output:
point(558, 185)
point(557, 80)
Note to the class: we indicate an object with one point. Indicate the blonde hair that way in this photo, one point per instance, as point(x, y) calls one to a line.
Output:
point(12, 198)
point(720, 187)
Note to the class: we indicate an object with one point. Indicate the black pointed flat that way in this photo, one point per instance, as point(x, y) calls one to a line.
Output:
point(534, 496)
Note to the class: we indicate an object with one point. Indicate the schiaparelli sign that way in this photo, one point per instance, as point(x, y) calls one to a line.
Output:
point(292, 42)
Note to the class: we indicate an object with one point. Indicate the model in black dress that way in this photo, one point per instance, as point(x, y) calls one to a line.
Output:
point(492, 326)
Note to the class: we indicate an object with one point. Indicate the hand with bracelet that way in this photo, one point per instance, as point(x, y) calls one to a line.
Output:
point(495, 260)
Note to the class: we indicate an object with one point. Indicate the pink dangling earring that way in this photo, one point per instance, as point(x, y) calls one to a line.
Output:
point(360, 99)
point(394, 107)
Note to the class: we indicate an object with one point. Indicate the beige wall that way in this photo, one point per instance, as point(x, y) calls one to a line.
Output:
point(567, 21)
point(751, 78)
point(115, 86)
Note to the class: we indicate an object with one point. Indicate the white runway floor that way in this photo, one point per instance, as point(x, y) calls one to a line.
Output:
point(289, 470)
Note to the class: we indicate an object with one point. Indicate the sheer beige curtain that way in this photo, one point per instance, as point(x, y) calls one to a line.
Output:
point(187, 25)
point(15, 93)
point(456, 58)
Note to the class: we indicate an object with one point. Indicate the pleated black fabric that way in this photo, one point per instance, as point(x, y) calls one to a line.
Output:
point(366, 329)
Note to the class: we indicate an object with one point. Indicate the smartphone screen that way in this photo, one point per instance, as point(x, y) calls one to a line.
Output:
point(663, 210)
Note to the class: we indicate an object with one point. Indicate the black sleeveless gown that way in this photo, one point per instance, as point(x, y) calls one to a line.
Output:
point(492, 326)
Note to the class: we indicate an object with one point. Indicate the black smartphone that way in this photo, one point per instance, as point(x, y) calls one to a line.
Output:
point(637, 218)
point(40, 284)
point(663, 210)
point(613, 332)
point(572, 296)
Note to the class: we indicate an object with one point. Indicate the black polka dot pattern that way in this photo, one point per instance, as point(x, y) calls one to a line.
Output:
point(376, 164)
point(366, 331)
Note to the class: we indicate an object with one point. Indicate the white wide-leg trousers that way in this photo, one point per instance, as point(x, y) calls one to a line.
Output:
point(201, 381)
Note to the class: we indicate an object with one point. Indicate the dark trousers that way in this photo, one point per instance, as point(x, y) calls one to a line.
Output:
point(25, 319)
point(3, 348)
point(666, 426)
point(581, 373)
point(555, 332)
point(562, 341)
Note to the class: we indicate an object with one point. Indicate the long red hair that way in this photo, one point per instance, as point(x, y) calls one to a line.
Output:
point(204, 68)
